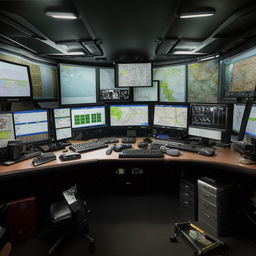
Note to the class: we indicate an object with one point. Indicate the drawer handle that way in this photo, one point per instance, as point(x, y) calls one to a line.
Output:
point(205, 195)
point(208, 216)
point(186, 186)
point(186, 194)
point(186, 202)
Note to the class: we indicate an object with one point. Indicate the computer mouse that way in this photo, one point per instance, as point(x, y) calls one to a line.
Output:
point(109, 151)
point(65, 150)
point(147, 140)
point(172, 152)
point(142, 144)
point(206, 151)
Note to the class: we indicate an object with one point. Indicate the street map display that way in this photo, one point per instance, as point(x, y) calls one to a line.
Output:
point(6, 129)
point(171, 116)
point(129, 115)
point(14, 80)
point(251, 125)
point(77, 84)
point(172, 83)
point(237, 116)
point(203, 82)
point(146, 94)
point(134, 75)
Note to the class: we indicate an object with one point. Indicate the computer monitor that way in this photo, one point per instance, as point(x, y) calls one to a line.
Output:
point(238, 112)
point(88, 117)
point(62, 121)
point(31, 126)
point(134, 75)
point(6, 129)
point(130, 115)
point(171, 116)
point(251, 123)
point(15, 82)
point(77, 84)
point(209, 116)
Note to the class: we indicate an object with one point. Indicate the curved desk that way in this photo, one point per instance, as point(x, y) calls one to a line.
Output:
point(223, 158)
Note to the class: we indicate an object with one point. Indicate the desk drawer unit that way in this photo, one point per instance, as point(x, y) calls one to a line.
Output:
point(215, 206)
point(188, 199)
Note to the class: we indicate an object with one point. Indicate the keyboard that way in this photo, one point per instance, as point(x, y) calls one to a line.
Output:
point(108, 140)
point(87, 146)
point(141, 153)
point(129, 139)
point(207, 151)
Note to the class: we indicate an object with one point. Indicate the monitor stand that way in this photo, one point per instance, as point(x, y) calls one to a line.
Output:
point(251, 154)
point(205, 142)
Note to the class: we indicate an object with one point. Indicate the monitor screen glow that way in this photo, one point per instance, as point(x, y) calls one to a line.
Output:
point(6, 129)
point(251, 124)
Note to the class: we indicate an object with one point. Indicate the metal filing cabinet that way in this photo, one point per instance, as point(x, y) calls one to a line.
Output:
point(215, 206)
point(188, 199)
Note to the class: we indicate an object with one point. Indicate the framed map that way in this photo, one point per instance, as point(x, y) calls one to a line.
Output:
point(203, 81)
point(172, 79)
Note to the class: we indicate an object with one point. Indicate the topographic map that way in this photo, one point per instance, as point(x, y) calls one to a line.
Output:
point(134, 75)
point(172, 83)
point(243, 75)
point(172, 116)
point(203, 81)
point(146, 94)
point(126, 115)
point(237, 116)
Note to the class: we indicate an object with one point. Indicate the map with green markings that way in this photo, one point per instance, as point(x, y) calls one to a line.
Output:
point(172, 83)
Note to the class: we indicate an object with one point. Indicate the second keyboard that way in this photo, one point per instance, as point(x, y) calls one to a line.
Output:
point(141, 153)
point(87, 146)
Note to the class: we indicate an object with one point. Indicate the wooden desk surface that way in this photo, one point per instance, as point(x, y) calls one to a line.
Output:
point(223, 158)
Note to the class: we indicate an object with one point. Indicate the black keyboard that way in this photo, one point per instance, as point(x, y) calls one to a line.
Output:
point(141, 153)
point(129, 139)
point(207, 151)
point(108, 140)
point(87, 146)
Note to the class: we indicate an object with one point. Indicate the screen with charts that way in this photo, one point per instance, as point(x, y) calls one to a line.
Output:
point(31, 126)
point(171, 116)
point(14, 80)
point(77, 84)
point(251, 124)
point(238, 113)
point(129, 115)
point(134, 75)
point(62, 120)
point(212, 116)
point(6, 129)
point(88, 117)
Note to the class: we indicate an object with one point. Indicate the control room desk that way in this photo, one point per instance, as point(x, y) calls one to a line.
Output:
point(223, 158)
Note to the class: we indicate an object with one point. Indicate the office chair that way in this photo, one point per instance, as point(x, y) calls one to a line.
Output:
point(71, 216)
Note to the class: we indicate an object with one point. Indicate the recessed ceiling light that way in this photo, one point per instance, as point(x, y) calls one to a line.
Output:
point(62, 15)
point(186, 53)
point(78, 53)
point(209, 57)
point(197, 14)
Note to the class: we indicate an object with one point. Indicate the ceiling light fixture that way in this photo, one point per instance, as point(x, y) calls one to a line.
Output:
point(78, 53)
point(61, 15)
point(209, 57)
point(186, 53)
point(197, 14)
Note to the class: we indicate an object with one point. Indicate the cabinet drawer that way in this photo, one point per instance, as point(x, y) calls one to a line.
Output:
point(184, 184)
point(208, 218)
point(207, 187)
point(207, 197)
point(186, 193)
point(207, 206)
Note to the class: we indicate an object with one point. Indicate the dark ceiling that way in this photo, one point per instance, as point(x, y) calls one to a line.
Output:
point(141, 30)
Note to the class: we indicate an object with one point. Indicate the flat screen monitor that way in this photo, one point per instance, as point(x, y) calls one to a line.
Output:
point(77, 84)
point(129, 115)
point(134, 74)
point(238, 112)
point(209, 116)
point(31, 126)
point(251, 124)
point(62, 121)
point(6, 129)
point(15, 83)
point(88, 117)
point(171, 116)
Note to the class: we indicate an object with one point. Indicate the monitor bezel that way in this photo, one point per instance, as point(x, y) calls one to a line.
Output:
point(90, 127)
point(5, 113)
point(55, 129)
point(210, 128)
point(81, 103)
point(48, 126)
point(130, 126)
point(171, 104)
point(131, 63)
point(17, 98)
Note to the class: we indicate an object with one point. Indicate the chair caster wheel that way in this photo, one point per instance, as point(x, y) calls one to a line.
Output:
point(92, 247)
point(173, 239)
